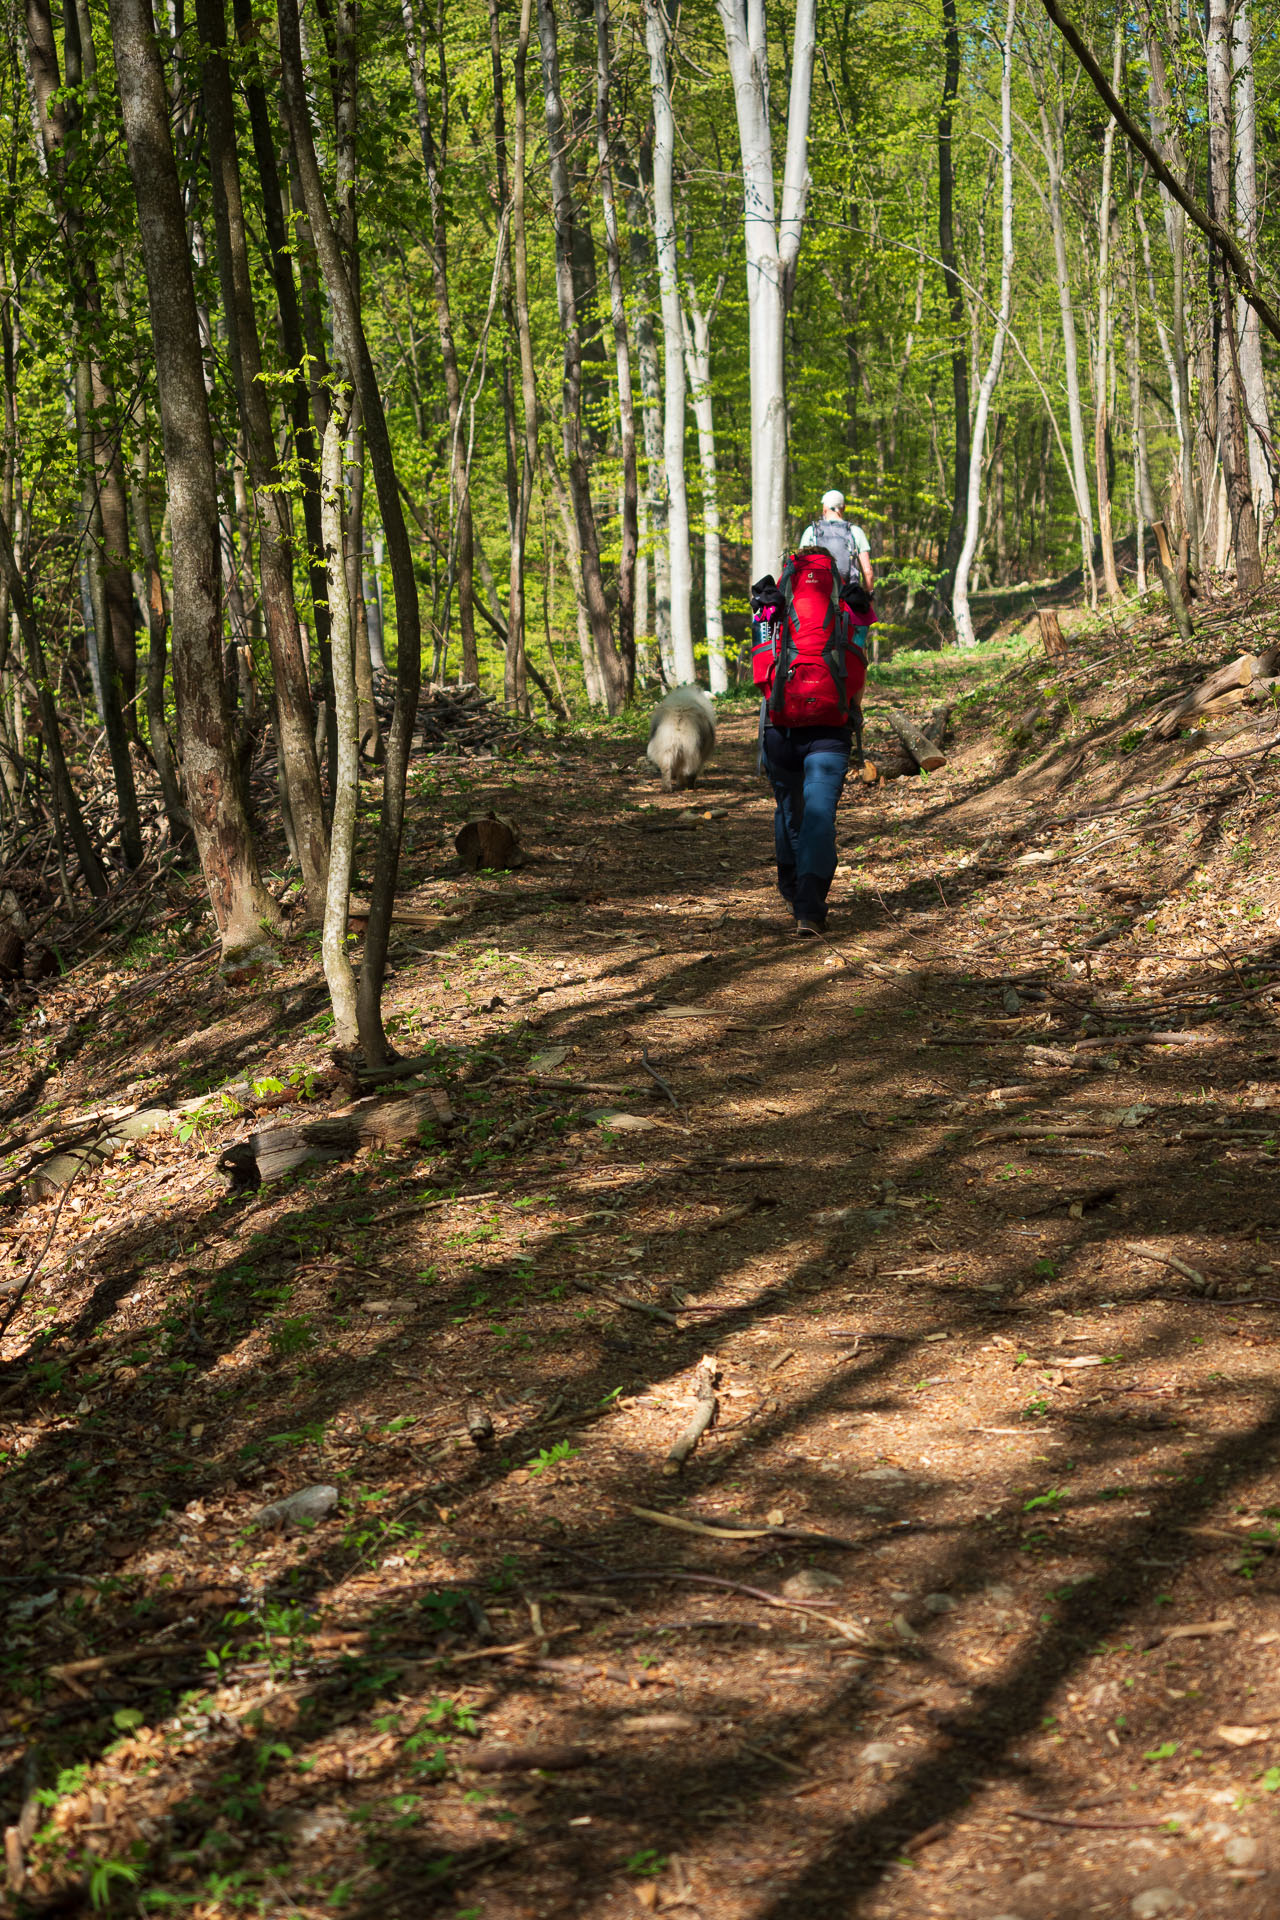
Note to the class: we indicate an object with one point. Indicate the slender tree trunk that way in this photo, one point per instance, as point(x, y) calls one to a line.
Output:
point(1109, 577)
point(965, 635)
point(651, 427)
point(63, 792)
point(1054, 149)
point(459, 475)
point(697, 352)
point(155, 602)
point(517, 643)
point(61, 139)
point(612, 671)
point(673, 375)
point(1262, 480)
point(339, 975)
point(515, 664)
point(1235, 448)
point(1169, 146)
point(772, 247)
point(291, 694)
point(622, 357)
point(280, 245)
point(955, 308)
point(241, 904)
point(355, 352)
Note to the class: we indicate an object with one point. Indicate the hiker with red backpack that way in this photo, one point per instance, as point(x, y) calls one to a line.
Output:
point(809, 656)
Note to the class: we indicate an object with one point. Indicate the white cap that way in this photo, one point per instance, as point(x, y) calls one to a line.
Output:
point(833, 498)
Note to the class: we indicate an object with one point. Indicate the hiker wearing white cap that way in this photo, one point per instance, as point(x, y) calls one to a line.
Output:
point(843, 540)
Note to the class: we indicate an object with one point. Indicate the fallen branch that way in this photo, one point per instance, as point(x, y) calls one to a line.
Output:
point(704, 1386)
point(809, 1608)
point(1145, 1252)
point(644, 1061)
point(739, 1533)
point(1099, 1826)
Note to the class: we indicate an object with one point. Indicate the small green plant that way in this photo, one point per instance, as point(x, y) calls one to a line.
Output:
point(1044, 1269)
point(104, 1876)
point(1053, 1498)
point(1270, 1780)
point(1164, 1752)
point(553, 1456)
point(289, 1337)
point(196, 1125)
point(261, 1088)
point(646, 1864)
point(428, 1745)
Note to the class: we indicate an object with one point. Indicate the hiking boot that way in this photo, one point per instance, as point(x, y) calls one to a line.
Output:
point(808, 929)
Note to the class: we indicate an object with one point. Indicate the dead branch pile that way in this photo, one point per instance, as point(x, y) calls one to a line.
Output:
point(455, 719)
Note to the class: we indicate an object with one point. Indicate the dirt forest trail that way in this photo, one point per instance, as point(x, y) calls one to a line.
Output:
point(966, 1603)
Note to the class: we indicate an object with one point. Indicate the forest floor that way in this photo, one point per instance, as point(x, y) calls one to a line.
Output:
point(968, 1604)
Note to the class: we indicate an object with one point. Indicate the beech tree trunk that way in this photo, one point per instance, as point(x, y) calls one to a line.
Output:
point(612, 671)
point(1262, 480)
point(622, 357)
point(291, 694)
point(651, 427)
point(955, 309)
point(354, 347)
point(772, 247)
point(965, 635)
point(241, 904)
point(1101, 371)
point(1169, 146)
point(697, 353)
point(517, 629)
point(338, 972)
point(1227, 373)
point(664, 236)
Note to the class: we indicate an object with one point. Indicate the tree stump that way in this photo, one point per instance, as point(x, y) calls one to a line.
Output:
point(1051, 635)
point(488, 843)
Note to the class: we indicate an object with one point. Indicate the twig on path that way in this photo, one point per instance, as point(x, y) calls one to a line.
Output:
point(739, 1533)
point(704, 1385)
point(1100, 1826)
point(1145, 1252)
point(810, 1608)
point(621, 1300)
point(644, 1061)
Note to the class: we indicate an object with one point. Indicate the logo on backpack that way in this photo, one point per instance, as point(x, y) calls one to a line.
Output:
point(808, 653)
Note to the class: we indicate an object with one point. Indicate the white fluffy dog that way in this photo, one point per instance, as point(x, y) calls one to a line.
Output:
point(682, 735)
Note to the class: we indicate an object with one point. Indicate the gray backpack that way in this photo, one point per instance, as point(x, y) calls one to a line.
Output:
point(837, 537)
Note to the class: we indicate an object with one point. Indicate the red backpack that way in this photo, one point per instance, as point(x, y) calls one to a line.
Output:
point(807, 653)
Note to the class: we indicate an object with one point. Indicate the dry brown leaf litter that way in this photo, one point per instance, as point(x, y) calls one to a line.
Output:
point(900, 1212)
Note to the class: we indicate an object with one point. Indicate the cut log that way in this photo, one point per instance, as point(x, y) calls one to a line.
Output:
point(926, 753)
point(275, 1151)
point(937, 723)
point(1228, 680)
point(1051, 634)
